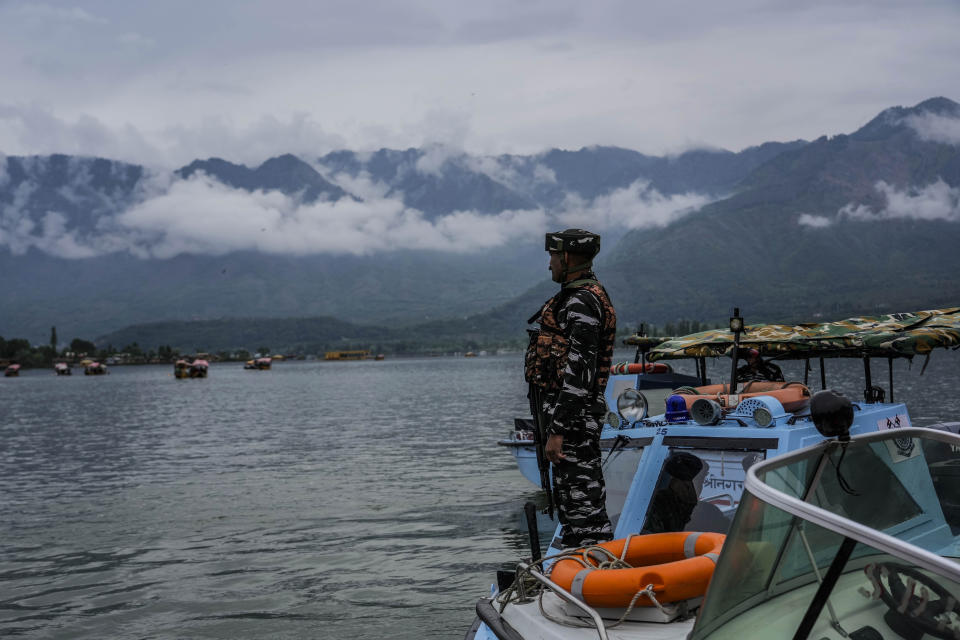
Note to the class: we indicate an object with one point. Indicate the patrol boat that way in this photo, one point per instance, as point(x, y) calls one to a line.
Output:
point(681, 475)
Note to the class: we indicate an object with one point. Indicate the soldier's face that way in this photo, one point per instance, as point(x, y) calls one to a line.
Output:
point(556, 268)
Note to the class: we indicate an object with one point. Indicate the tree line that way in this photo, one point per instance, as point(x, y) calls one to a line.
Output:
point(678, 328)
point(20, 351)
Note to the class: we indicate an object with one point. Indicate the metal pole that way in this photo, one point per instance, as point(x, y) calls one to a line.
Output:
point(736, 325)
point(890, 365)
point(530, 510)
point(823, 375)
point(829, 581)
point(703, 370)
point(868, 392)
point(640, 354)
point(806, 372)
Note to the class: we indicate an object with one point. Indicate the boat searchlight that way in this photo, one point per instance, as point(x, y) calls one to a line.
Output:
point(632, 406)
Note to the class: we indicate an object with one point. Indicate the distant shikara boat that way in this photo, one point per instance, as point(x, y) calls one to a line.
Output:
point(95, 369)
point(258, 364)
point(12, 371)
point(198, 369)
point(181, 369)
point(62, 369)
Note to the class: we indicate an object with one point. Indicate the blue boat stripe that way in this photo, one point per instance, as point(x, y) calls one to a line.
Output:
point(690, 545)
point(712, 556)
point(576, 588)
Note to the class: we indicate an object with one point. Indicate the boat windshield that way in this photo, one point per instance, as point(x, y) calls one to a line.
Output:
point(839, 537)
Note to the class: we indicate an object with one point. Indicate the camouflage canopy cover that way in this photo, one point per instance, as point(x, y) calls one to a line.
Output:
point(897, 335)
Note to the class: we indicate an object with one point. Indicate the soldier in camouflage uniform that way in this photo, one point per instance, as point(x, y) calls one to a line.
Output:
point(569, 360)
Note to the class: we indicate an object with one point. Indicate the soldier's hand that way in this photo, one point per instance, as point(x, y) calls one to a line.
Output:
point(554, 448)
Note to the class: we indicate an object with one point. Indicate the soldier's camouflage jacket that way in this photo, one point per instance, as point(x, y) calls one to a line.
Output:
point(570, 355)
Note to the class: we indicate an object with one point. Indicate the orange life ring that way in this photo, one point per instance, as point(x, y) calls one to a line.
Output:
point(792, 395)
point(678, 565)
point(628, 368)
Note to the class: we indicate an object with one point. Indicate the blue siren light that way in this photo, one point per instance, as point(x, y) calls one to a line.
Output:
point(677, 409)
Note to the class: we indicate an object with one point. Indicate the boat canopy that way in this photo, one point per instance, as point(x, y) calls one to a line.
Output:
point(895, 335)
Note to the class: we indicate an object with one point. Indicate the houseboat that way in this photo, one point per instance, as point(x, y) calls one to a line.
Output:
point(355, 354)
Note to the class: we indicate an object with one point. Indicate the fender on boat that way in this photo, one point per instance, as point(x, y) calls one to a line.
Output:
point(628, 368)
point(792, 395)
point(678, 565)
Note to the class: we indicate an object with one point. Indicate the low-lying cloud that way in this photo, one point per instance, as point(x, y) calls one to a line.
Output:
point(634, 207)
point(936, 201)
point(200, 215)
point(936, 128)
point(817, 222)
point(165, 216)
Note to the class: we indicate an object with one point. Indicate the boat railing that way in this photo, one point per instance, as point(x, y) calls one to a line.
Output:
point(844, 526)
point(565, 595)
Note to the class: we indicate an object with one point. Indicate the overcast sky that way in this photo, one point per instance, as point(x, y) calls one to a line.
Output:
point(165, 82)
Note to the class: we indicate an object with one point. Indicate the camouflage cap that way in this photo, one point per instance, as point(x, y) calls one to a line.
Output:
point(573, 241)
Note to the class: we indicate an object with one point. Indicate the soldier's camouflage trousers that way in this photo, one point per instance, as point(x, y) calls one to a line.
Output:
point(579, 490)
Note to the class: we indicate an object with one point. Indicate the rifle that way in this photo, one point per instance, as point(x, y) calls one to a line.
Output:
point(539, 441)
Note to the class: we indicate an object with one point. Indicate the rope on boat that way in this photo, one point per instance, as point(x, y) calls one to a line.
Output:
point(525, 587)
point(646, 591)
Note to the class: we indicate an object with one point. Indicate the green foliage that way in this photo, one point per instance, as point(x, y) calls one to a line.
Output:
point(14, 348)
point(679, 328)
point(133, 349)
point(19, 350)
point(79, 346)
point(317, 335)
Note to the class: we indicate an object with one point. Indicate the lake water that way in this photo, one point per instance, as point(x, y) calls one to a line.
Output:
point(316, 500)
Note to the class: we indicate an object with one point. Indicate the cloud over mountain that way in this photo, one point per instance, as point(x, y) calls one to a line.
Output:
point(200, 215)
point(936, 127)
point(634, 207)
point(936, 201)
point(817, 222)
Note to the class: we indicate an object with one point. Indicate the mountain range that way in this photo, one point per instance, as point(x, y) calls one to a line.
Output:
point(440, 243)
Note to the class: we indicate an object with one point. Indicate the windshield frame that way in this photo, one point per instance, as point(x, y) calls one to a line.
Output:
point(844, 526)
